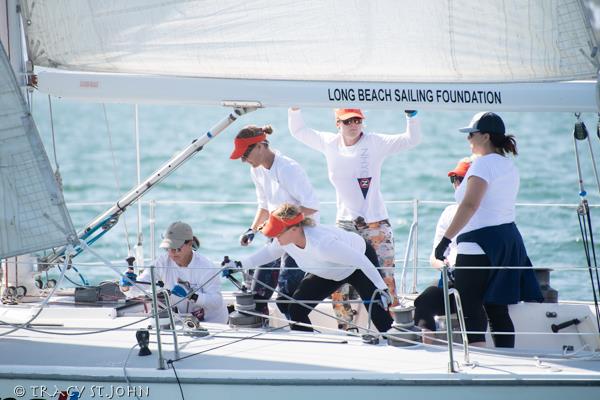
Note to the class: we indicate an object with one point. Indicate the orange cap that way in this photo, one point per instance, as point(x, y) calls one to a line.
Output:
point(461, 168)
point(342, 114)
point(275, 225)
point(242, 144)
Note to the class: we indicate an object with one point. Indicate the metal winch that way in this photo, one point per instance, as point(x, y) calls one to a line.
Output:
point(244, 301)
point(403, 331)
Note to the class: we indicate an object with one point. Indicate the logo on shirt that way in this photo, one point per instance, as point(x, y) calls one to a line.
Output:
point(364, 184)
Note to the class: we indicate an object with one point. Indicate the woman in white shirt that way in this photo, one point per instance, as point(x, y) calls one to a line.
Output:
point(431, 301)
point(330, 256)
point(484, 224)
point(278, 179)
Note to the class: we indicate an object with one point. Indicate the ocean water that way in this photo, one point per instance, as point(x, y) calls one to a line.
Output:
point(95, 148)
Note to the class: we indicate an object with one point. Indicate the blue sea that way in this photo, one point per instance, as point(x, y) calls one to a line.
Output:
point(96, 152)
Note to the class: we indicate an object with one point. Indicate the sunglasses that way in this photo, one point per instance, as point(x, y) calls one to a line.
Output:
point(473, 133)
point(248, 151)
point(456, 179)
point(352, 121)
point(178, 250)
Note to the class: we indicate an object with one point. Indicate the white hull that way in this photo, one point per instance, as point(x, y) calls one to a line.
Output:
point(283, 364)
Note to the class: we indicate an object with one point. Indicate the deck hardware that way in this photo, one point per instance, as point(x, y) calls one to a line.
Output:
point(557, 327)
point(403, 331)
point(143, 338)
point(370, 339)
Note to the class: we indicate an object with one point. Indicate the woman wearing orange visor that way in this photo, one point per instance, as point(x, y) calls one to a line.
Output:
point(329, 255)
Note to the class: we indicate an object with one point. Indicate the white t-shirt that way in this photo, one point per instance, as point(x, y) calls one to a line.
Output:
point(197, 273)
point(355, 171)
point(498, 203)
point(284, 182)
point(440, 229)
point(330, 253)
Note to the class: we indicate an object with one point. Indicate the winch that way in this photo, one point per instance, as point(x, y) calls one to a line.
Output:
point(403, 331)
point(244, 301)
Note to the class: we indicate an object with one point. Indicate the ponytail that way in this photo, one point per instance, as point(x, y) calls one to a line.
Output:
point(504, 144)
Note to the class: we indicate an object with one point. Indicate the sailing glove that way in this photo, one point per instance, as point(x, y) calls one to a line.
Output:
point(179, 291)
point(230, 266)
point(247, 237)
point(386, 299)
point(128, 278)
point(440, 249)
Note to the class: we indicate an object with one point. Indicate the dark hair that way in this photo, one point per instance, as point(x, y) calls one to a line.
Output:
point(504, 143)
point(252, 130)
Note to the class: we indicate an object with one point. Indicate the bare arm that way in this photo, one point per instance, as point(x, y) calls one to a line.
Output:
point(435, 263)
point(476, 188)
point(261, 216)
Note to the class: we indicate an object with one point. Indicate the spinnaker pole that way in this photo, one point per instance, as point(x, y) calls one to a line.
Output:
point(104, 222)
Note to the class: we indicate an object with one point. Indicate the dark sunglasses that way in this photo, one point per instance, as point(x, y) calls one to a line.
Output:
point(178, 250)
point(248, 151)
point(456, 179)
point(352, 121)
point(473, 133)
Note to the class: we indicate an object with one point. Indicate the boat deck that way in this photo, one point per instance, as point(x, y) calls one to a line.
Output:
point(66, 347)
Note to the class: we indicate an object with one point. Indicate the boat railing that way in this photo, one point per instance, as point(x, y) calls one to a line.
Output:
point(411, 249)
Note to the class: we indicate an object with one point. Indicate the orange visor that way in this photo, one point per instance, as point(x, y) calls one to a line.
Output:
point(461, 168)
point(242, 144)
point(275, 226)
point(342, 114)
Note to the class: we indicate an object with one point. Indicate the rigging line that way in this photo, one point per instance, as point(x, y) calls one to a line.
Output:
point(114, 164)
point(178, 382)
point(57, 175)
point(580, 133)
point(594, 168)
point(24, 325)
point(595, 284)
point(309, 307)
point(125, 370)
point(170, 362)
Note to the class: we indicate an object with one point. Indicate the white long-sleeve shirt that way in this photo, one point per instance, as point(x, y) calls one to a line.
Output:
point(355, 171)
point(284, 182)
point(197, 274)
point(330, 253)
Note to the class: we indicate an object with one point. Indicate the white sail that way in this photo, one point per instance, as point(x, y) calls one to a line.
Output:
point(33, 215)
point(337, 40)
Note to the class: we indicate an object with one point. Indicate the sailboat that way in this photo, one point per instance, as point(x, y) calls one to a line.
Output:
point(451, 55)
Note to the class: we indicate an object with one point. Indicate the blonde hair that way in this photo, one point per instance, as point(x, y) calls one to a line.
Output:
point(252, 131)
point(289, 211)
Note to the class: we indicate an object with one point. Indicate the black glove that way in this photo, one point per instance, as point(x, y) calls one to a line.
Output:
point(230, 266)
point(410, 113)
point(247, 237)
point(440, 249)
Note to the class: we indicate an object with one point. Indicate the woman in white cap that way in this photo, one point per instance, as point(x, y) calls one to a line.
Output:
point(354, 161)
point(186, 274)
point(484, 225)
point(278, 179)
point(330, 256)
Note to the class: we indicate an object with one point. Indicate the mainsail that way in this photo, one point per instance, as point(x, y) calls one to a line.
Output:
point(33, 215)
point(337, 40)
point(509, 55)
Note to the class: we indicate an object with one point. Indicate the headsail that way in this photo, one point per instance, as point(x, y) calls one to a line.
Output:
point(33, 215)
